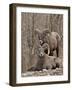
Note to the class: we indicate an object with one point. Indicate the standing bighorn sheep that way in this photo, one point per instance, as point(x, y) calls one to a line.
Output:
point(51, 38)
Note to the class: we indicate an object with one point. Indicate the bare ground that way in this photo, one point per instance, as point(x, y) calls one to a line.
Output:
point(44, 72)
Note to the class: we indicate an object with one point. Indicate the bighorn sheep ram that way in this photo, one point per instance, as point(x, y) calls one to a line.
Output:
point(51, 38)
point(42, 60)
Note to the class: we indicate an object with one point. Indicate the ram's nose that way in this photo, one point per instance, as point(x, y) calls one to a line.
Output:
point(41, 54)
point(41, 42)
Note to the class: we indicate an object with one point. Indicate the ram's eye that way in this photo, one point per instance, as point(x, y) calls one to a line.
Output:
point(46, 51)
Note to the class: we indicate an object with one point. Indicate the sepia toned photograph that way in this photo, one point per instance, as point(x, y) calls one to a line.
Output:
point(41, 44)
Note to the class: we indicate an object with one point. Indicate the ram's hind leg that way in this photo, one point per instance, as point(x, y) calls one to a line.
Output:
point(57, 52)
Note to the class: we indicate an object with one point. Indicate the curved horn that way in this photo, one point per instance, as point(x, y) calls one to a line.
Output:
point(46, 31)
point(37, 31)
point(48, 50)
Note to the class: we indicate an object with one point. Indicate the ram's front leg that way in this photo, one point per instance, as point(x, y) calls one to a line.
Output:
point(51, 53)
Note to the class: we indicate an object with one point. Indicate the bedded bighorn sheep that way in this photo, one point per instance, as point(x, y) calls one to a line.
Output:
point(38, 56)
point(51, 38)
point(42, 60)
